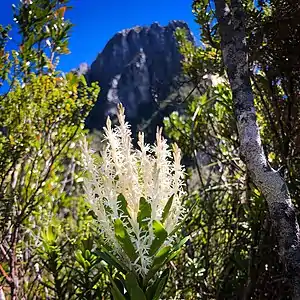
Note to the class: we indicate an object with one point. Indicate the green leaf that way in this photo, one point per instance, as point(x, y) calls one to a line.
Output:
point(80, 259)
point(116, 292)
point(50, 235)
point(177, 249)
point(161, 284)
point(155, 291)
point(159, 261)
point(87, 243)
point(161, 256)
point(123, 205)
point(124, 240)
point(119, 284)
point(167, 208)
point(83, 80)
point(144, 213)
point(117, 295)
point(72, 78)
point(173, 255)
point(160, 236)
point(120, 278)
point(110, 259)
point(181, 243)
point(133, 288)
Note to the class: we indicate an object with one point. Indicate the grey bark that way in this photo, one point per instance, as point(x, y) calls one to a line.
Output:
point(271, 184)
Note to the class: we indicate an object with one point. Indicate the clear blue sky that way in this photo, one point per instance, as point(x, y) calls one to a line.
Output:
point(96, 21)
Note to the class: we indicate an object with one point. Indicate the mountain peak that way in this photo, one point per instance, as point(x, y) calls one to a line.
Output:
point(138, 66)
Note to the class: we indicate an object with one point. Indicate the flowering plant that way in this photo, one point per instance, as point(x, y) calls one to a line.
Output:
point(136, 196)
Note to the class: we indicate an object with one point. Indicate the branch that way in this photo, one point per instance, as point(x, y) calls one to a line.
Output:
point(271, 184)
point(5, 275)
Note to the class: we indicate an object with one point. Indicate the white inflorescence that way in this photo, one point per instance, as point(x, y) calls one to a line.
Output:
point(148, 172)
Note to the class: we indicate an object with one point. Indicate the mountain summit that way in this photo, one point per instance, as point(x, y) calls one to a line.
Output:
point(137, 67)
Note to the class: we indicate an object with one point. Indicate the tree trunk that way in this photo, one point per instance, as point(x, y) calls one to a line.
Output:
point(270, 183)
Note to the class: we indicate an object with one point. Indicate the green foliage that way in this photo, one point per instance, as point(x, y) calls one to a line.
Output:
point(129, 284)
point(89, 277)
point(44, 32)
point(124, 240)
point(198, 61)
point(144, 213)
point(154, 291)
point(50, 248)
point(42, 123)
point(160, 237)
point(232, 252)
point(133, 288)
point(45, 225)
point(217, 196)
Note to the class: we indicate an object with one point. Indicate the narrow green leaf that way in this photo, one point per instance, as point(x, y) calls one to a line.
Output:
point(133, 288)
point(167, 208)
point(160, 236)
point(159, 261)
point(83, 80)
point(120, 278)
point(110, 259)
point(87, 253)
point(123, 205)
point(173, 255)
point(161, 255)
point(124, 240)
point(181, 243)
point(87, 243)
point(80, 259)
point(116, 292)
point(162, 284)
point(144, 213)
point(177, 249)
point(154, 292)
point(119, 285)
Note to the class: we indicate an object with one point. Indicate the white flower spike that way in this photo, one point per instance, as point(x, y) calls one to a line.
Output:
point(137, 186)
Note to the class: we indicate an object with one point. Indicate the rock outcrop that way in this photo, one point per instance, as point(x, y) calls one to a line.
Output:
point(138, 67)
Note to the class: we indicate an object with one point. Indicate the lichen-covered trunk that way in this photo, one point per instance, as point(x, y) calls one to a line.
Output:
point(234, 50)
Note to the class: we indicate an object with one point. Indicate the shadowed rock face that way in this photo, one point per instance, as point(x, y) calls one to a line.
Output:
point(138, 67)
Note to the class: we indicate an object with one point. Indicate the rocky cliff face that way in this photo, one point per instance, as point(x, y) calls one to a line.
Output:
point(138, 67)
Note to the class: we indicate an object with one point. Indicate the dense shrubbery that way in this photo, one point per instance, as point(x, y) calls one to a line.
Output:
point(233, 251)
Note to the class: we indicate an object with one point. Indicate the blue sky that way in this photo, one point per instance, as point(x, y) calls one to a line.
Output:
point(96, 21)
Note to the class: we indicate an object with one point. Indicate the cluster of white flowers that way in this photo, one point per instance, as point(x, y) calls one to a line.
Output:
point(148, 172)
